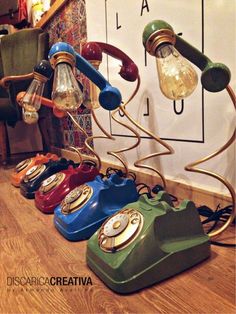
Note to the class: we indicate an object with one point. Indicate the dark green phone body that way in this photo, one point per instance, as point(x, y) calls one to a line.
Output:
point(147, 242)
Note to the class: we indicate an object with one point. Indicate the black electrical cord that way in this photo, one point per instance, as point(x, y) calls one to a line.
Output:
point(132, 175)
point(111, 170)
point(216, 216)
point(119, 172)
point(223, 244)
point(157, 188)
point(141, 186)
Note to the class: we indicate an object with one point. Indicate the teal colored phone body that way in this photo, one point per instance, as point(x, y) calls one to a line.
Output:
point(147, 242)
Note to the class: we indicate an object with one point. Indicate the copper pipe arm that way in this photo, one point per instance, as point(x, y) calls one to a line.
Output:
point(5, 81)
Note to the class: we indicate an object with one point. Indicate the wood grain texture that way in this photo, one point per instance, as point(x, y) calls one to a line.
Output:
point(3, 141)
point(30, 246)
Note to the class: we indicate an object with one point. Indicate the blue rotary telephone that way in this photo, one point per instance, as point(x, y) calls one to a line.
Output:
point(86, 207)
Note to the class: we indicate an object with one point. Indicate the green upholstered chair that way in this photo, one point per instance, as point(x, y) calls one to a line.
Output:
point(19, 53)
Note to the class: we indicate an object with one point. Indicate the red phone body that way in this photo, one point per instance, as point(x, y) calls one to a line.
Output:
point(55, 188)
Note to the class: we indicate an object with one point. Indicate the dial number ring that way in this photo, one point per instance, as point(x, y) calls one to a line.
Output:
point(34, 172)
point(76, 199)
point(120, 230)
point(23, 164)
point(52, 182)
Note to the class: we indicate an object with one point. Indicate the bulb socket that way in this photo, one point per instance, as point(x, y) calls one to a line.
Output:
point(40, 77)
point(62, 57)
point(95, 63)
point(157, 38)
point(44, 68)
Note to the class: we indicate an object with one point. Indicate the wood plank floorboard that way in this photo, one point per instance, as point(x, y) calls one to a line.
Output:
point(30, 246)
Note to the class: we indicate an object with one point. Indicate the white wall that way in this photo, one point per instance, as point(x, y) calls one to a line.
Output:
point(219, 35)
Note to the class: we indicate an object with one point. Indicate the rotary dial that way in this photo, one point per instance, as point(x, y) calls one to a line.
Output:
point(76, 199)
point(51, 182)
point(34, 172)
point(23, 164)
point(120, 230)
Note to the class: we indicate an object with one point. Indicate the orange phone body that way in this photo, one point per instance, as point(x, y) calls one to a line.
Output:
point(21, 169)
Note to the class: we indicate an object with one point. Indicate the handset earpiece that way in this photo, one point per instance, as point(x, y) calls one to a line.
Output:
point(93, 51)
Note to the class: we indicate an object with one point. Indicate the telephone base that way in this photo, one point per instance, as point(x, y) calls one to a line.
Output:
point(27, 194)
point(78, 235)
point(105, 198)
point(147, 242)
point(172, 264)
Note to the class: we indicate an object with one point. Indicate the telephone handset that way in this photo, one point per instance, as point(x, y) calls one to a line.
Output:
point(93, 51)
point(147, 242)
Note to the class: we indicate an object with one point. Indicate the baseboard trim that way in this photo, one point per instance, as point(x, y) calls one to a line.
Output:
point(181, 190)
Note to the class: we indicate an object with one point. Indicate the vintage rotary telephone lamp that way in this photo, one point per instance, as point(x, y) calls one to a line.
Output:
point(78, 217)
point(150, 240)
point(86, 207)
point(215, 77)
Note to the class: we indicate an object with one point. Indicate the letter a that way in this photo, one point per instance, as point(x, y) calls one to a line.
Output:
point(144, 5)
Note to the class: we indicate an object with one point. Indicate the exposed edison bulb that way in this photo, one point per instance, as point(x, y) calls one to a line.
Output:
point(177, 77)
point(92, 102)
point(66, 92)
point(31, 102)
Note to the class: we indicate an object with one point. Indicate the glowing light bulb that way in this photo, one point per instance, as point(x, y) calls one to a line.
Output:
point(31, 101)
point(66, 92)
point(177, 78)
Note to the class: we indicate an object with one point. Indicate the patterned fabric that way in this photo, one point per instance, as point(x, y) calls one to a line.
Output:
point(69, 25)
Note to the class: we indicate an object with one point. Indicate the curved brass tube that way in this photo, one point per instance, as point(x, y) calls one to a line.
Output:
point(90, 138)
point(122, 108)
point(78, 149)
point(170, 150)
point(108, 136)
point(192, 167)
point(78, 152)
point(126, 113)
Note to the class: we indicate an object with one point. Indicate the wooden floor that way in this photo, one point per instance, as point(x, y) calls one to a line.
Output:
point(31, 247)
